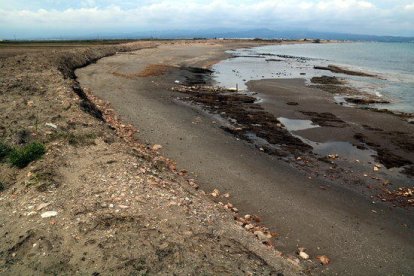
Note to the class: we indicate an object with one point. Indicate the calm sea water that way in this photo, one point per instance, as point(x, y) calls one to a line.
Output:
point(393, 62)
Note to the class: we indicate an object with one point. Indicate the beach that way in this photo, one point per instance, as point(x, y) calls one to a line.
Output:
point(95, 200)
point(333, 199)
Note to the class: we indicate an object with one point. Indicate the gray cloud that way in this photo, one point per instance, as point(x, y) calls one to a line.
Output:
point(352, 16)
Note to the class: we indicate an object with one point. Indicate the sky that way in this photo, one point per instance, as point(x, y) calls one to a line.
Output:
point(59, 18)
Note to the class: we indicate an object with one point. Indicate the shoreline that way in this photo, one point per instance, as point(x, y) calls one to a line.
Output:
point(286, 197)
point(350, 79)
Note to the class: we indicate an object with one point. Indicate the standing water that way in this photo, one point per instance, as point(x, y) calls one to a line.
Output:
point(393, 63)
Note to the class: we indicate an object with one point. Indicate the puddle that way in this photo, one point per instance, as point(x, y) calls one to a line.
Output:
point(294, 124)
point(339, 99)
point(344, 150)
point(259, 142)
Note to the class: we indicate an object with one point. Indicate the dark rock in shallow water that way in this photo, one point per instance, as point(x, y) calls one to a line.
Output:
point(196, 75)
point(325, 119)
point(337, 69)
point(326, 80)
point(365, 101)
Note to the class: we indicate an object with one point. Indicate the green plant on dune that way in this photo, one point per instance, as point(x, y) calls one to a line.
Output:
point(4, 151)
point(21, 157)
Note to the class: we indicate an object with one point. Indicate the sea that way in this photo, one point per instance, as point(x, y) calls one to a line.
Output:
point(392, 63)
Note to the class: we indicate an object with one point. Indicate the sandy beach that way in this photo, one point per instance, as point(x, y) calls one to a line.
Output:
point(330, 207)
point(97, 201)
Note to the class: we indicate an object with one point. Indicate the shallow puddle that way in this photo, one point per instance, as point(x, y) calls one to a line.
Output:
point(295, 124)
point(344, 150)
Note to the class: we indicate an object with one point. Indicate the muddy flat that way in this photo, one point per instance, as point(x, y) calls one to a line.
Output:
point(360, 237)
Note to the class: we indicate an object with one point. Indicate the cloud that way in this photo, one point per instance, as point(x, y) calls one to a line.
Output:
point(351, 16)
point(409, 7)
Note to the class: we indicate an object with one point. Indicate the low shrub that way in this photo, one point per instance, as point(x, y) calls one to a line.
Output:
point(5, 150)
point(21, 157)
point(81, 139)
point(75, 139)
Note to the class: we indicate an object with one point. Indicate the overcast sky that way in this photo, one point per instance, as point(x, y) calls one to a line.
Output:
point(23, 18)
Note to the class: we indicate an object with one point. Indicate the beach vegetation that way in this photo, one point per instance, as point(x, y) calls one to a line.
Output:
point(23, 156)
point(75, 139)
point(5, 150)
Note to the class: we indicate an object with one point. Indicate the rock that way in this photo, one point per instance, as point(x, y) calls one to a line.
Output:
point(228, 206)
point(333, 156)
point(303, 254)
point(51, 125)
point(262, 236)
point(215, 193)
point(323, 259)
point(49, 214)
point(249, 226)
point(156, 147)
point(41, 206)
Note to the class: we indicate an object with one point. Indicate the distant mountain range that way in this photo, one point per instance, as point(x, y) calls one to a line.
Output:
point(258, 33)
point(232, 33)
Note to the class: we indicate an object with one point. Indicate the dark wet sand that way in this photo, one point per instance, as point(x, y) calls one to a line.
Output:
point(336, 222)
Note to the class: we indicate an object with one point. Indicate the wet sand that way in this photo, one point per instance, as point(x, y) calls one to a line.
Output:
point(359, 237)
point(382, 129)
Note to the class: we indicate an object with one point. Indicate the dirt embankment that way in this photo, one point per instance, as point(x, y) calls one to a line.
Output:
point(99, 202)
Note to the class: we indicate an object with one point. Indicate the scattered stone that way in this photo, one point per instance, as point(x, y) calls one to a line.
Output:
point(156, 147)
point(215, 193)
point(333, 156)
point(49, 214)
point(249, 226)
point(262, 236)
point(41, 206)
point(51, 125)
point(323, 259)
point(303, 254)
point(228, 206)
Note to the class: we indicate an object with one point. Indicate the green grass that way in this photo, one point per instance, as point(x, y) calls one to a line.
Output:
point(21, 157)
